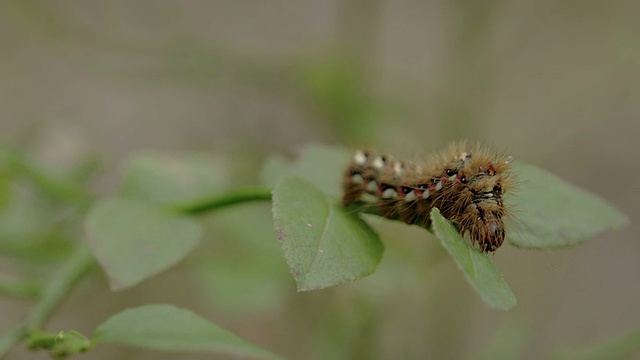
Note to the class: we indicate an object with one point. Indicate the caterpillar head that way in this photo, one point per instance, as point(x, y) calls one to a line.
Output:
point(482, 218)
point(482, 177)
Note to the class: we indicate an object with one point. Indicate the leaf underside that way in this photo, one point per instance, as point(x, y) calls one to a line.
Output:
point(550, 212)
point(168, 328)
point(478, 269)
point(133, 240)
point(324, 245)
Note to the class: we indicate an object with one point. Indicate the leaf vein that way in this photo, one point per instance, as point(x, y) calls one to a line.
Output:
point(324, 231)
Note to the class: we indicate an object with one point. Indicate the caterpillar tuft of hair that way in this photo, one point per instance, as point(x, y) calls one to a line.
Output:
point(466, 183)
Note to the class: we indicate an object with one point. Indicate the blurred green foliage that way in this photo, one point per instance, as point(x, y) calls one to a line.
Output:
point(550, 80)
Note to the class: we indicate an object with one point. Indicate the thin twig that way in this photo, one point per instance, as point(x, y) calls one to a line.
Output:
point(231, 198)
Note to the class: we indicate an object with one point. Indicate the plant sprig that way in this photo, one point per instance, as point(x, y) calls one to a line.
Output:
point(152, 220)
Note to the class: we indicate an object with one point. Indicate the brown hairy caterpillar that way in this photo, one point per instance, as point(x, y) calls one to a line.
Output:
point(466, 183)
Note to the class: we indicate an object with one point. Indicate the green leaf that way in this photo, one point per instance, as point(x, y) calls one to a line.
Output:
point(168, 328)
point(170, 180)
point(133, 240)
point(324, 244)
point(552, 213)
point(320, 165)
point(476, 266)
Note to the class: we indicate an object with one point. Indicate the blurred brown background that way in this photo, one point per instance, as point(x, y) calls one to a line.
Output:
point(555, 82)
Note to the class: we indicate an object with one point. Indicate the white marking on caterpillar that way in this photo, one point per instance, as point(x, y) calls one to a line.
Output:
point(357, 179)
point(439, 186)
point(410, 196)
point(452, 177)
point(425, 194)
point(378, 163)
point(397, 168)
point(372, 186)
point(360, 158)
point(389, 194)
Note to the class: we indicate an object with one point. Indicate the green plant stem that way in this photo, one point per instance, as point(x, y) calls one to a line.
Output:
point(231, 198)
point(75, 268)
point(29, 289)
point(10, 338)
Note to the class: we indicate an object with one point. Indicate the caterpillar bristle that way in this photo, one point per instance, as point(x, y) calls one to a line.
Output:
point(466, 183)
